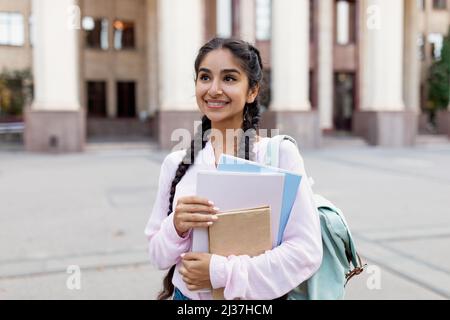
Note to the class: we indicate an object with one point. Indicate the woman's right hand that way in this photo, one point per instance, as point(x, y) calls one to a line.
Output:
point(193, 212)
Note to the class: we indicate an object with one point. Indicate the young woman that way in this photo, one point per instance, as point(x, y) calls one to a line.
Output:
point(228, 79)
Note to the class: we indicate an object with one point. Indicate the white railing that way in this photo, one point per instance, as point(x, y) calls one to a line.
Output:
point(12, 127)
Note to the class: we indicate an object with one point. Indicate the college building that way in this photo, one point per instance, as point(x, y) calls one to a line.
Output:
point(125, 67)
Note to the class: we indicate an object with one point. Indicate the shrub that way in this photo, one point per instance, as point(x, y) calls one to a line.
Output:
point(15, 92)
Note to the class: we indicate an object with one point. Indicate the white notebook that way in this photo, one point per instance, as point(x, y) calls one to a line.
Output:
point(239, 190)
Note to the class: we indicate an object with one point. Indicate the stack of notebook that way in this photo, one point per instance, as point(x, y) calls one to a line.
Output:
point(291, 183)
point(255, 202)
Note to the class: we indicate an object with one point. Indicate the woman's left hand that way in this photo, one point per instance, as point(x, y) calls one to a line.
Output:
point(195, 270)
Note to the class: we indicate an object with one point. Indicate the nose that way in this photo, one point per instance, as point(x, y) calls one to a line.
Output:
point(215, 89)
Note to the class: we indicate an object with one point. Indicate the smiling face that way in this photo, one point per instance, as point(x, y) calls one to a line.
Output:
point(222, 89)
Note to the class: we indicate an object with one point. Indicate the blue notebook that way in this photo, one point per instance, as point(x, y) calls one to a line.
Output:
point(291, 183)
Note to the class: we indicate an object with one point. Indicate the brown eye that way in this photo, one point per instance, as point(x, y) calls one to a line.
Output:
point(229, 79)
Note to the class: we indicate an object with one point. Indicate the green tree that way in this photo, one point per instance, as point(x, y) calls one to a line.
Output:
point(15, 92)
point(439, 81)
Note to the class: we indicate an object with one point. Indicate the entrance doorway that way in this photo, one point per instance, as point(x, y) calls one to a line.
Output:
point(96, 96)
point(126, 99)
point(344, 101)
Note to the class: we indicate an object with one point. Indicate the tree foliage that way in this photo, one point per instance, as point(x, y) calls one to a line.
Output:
point(439, 80)
point(15, 92)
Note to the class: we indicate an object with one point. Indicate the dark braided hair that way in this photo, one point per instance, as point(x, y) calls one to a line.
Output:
point(250, 61)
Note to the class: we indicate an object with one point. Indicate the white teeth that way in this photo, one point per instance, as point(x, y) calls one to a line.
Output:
point(217, 104)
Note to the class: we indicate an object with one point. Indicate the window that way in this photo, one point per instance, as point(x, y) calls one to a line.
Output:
point(345, 22)
point(96, 95)
point(437, 41)
point(263, 20)
point(224, 15)
point(123, 35)
point(96, 33)
point(11, 29)
point(439, 4)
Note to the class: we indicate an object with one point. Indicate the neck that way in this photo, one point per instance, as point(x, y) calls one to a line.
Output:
point(225, 137)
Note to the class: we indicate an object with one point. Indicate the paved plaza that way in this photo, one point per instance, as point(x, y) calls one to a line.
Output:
point(90, 210)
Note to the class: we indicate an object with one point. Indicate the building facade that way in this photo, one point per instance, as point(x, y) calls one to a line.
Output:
point(121, 65)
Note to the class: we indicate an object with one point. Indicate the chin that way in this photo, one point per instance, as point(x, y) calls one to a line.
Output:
point(214, 117)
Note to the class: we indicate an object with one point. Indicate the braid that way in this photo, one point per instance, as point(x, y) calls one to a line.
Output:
point(189, 158)
point(252, 115)
point(250, 126)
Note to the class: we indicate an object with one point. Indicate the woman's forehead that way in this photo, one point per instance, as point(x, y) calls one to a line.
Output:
point(219, 60)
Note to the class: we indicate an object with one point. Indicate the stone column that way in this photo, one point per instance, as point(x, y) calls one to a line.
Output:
point(247, 19)
point(56, 121)
point(325, 64)
point(383, 118)
point(180, 26)
point(290, 110)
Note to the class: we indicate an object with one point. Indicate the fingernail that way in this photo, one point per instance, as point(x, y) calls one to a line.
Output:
point(214, 217)
point(210, 223)
point(216, 209)
point(182, 255)
point(211, 203)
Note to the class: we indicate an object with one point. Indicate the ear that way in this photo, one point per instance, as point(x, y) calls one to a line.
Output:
point(252, 94)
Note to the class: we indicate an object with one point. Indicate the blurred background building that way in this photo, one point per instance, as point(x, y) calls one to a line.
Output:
point(99, 69)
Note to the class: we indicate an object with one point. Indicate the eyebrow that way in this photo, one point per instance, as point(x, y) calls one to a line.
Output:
point(223, 71)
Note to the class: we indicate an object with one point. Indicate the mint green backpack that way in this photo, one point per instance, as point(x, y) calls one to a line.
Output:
point(340, 260)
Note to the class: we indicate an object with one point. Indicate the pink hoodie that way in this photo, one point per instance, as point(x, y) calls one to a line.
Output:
point(267, 276)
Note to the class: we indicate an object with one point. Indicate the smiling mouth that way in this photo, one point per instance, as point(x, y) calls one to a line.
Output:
point(216, 104)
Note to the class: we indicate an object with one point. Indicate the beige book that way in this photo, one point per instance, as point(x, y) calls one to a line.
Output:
point(240, 232)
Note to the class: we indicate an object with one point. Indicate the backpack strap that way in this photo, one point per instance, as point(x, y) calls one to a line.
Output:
point(358, 269)
point(352, 254)
point(272, 157)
